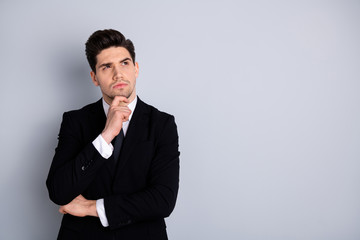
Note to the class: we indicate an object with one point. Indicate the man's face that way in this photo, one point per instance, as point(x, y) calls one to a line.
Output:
point(115, 74)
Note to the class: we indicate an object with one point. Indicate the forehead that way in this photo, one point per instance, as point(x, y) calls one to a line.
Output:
point(112, 54)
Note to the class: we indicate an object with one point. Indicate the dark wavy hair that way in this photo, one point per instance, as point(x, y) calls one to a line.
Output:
point(103, 39)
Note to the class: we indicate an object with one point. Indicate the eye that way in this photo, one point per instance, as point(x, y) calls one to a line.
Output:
point(125, 63)
point(106, 67)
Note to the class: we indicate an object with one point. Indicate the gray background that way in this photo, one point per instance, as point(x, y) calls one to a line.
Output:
point(265, 94)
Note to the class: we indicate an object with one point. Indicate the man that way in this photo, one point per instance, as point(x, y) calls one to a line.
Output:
point(115, 172)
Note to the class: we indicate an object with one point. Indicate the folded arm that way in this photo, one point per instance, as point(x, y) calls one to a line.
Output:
point(74, 166)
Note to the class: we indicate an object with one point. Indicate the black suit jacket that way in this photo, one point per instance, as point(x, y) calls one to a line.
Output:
point(139, 191)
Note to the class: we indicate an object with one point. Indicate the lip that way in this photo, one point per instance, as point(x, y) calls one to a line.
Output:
point(120, 85)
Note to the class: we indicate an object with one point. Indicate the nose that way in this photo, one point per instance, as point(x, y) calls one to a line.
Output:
point(117, 73)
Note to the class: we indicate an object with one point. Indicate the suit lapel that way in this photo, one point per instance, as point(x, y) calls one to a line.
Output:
point(136, 133)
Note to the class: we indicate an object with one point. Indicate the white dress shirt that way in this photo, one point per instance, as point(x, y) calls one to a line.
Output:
point(106, 151)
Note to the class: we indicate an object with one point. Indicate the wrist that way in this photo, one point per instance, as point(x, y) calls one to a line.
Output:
point(107, 137)
point(92, 208)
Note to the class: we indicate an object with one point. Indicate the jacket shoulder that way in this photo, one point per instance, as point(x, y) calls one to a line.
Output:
point(95, 107)
point(157, 114)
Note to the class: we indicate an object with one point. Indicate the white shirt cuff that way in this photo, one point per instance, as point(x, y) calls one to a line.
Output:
point(100, 208)
point(103, 147)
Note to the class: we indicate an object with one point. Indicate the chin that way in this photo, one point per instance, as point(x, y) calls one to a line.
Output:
point(123, 95)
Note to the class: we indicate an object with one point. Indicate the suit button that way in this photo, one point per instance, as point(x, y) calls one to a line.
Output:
point(83, 168)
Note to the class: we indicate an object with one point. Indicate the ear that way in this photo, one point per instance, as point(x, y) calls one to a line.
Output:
point(136, 69)
point(93, 78)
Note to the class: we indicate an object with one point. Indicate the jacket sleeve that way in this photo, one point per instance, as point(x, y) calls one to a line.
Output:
point(74, 165)
point(158, 199)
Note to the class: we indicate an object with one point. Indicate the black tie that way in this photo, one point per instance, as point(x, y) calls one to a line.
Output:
point(117, 145)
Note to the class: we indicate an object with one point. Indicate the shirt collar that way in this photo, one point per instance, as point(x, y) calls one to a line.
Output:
point(131, 106)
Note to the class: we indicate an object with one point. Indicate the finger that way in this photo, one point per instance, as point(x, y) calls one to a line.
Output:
point(120, 111)
point(123, 104)
point(123, 108)
point(61, 210)
point(126, 116)
point(119, 101)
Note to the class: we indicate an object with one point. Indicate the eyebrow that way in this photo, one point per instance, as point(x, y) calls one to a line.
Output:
point(125, 59)
point(107, 64)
